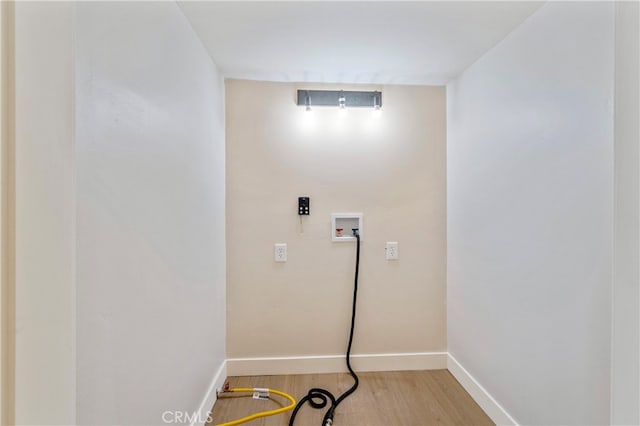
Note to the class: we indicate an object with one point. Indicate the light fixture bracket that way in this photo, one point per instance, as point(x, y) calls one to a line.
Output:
point(331, 98)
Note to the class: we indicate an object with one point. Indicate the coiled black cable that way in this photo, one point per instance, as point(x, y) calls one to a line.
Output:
point(318, 397)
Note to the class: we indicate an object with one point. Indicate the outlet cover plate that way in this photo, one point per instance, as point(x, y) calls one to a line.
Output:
point(280, 252)
point(392, 250)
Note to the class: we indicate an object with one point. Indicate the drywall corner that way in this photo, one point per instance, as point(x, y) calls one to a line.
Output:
point(206, 406)
point(487, 402)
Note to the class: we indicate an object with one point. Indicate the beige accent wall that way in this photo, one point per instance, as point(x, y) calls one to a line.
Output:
point(391, 169)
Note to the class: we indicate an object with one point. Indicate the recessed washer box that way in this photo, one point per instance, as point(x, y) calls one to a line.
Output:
point(342, 225)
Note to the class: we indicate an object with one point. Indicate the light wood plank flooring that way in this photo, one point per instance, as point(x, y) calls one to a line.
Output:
point(432, 397)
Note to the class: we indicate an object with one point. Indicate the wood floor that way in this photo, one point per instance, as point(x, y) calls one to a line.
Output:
point(432, 397)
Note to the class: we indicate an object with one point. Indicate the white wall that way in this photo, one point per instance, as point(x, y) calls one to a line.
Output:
point(45, 243)
point(530, 197)
point(393, 171)
point(150, 213)
point(625, 389)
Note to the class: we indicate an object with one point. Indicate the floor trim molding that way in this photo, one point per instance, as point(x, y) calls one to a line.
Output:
point(217, 382)
point(319, 364)
point(479, 394)
point(335, 363)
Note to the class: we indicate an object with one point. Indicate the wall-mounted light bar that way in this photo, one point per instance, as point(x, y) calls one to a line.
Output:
point(339, 98)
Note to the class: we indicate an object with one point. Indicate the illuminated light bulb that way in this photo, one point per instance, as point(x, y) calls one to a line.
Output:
point(342, 101)
point(307, 120)
point(376, 106)
point(307, 102)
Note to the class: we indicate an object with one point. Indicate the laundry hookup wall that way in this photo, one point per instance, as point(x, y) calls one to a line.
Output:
point(288, 317)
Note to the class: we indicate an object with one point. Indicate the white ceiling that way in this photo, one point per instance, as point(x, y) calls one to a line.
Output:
point(352, 42)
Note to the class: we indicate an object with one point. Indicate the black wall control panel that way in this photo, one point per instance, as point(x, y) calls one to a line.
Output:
point(303, 206)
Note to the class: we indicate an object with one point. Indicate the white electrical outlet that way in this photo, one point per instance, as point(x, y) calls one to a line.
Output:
point(280, 252)
point(392, 250)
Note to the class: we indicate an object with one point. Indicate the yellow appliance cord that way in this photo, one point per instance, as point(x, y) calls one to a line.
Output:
point(262, 413)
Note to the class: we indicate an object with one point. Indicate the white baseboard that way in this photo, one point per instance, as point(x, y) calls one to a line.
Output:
point(210, 398)
point(362, 362)
point(336, 363)
point(490, 406)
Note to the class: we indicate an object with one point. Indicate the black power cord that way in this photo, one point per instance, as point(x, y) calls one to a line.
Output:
point(318, 397)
